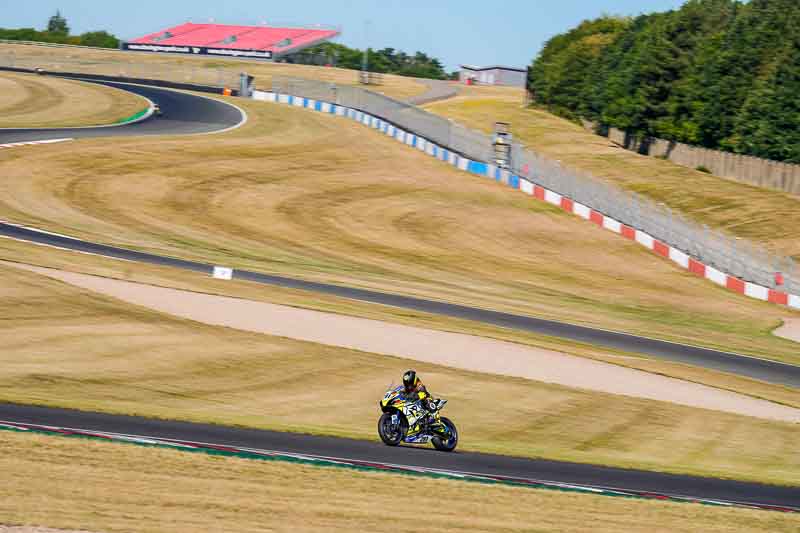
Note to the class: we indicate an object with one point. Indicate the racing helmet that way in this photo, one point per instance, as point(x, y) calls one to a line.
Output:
point(410, 380)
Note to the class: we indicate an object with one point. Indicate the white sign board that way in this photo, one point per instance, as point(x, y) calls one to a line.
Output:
point(223, 273)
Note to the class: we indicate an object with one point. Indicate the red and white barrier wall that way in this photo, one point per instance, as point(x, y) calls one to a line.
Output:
point(540, 193)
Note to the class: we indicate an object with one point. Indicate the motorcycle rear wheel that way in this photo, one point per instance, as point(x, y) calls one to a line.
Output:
point(389, 437)
point(450, 444)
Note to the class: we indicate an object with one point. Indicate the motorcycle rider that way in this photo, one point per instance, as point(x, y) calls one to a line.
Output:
point(415, 389)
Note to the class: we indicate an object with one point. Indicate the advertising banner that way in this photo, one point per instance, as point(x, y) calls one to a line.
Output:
point(197, 50)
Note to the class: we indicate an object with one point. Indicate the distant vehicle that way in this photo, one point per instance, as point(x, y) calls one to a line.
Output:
point(406, 420)
point(156, 110)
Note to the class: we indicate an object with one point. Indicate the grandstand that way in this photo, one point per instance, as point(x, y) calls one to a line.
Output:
point(253, 42)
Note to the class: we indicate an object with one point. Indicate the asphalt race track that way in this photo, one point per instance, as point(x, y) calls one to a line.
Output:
point(186, 114)
point(475, 463)
point(763, 369)
point(182, 114)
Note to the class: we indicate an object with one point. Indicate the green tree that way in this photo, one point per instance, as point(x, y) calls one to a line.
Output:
point(718, 73)
point(100, 39)
point(768, 125)
point(387, 60)
point(58, 24)
point(562, 76)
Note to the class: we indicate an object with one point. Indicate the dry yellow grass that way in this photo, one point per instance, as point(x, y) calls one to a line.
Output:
point(30, 101)
point(204, 69)
point(103, 486)
point(169, 277)
point(36, 529)
point(67, 347)
point(365, 211)
point(762, 215)
point(510, 94)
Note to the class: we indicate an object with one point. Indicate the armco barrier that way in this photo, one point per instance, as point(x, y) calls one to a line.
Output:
point(56, 45)
point(127, 65)
point(744, 259)
point(439, 130)
point(564, 202)
point(124, 79)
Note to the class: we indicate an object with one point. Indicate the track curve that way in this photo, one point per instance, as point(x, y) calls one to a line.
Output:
point(374, 452)
point(182, 114)
point(188, 114)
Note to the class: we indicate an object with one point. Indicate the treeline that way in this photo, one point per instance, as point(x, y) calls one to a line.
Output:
point(722, 74)
point(387, 60)
point(100, 39)
point(58, 32)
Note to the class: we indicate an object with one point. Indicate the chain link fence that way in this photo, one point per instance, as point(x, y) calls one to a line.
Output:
point(146, 70)
point(404, 115)
point(737, 257)
point(741, 258)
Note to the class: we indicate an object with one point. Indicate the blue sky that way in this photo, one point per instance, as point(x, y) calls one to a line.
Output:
point(482, 32)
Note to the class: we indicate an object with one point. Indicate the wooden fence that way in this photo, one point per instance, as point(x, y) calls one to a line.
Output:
point(747, 169)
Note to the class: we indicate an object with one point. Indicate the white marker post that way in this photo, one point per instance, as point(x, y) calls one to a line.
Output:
point(223, 273)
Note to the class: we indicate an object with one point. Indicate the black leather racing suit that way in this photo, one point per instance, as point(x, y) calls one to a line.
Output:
point(420, 392)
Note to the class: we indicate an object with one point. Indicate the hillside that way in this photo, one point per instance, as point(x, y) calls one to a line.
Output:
point(769, 218)
point(192, 69)
point(384, 217)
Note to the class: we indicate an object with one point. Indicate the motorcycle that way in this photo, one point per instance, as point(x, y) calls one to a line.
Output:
point(406, 420)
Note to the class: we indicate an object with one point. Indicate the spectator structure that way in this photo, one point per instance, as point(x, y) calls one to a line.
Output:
point(224, 40)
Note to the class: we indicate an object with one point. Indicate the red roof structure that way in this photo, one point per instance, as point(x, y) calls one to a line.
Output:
point(229, 40)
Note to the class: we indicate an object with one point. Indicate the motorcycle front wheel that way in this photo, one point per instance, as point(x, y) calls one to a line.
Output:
point(447, 444)
point(391, 434)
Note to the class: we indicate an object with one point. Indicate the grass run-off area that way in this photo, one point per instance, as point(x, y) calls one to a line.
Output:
point(67, 347)
point(201, 283)
point(30, 101)
point(105, 486)
point(192, 68)
point(319, 197)
point(762, 215)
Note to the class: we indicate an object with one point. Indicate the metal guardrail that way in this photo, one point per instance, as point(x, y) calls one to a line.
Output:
point(442, 131)
point(145, 70)
point(737, 257)
point(56, 45)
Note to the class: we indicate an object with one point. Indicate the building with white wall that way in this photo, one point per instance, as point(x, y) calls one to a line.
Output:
point(493, 75)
